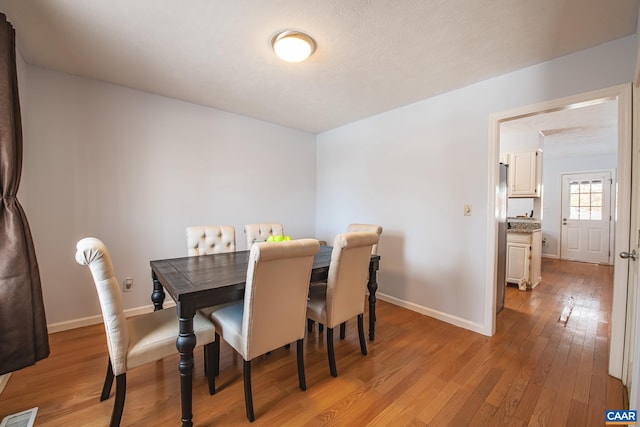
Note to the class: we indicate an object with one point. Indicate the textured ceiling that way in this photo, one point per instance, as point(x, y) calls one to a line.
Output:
point(587, 130)
point(372, 56)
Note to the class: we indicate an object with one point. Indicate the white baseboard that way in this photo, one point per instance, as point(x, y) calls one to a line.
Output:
point(4, 379)
point(552, 256)
point(454, 320)
point(92, 320)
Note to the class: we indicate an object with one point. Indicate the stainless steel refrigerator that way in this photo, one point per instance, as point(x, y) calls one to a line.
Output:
point(501, 204)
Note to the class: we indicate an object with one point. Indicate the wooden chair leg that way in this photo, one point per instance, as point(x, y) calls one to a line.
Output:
point(320, 327)
point(343, 327)
point(108, 381)
point(248, 398)
point(206, 359)
point(300, 355)
point(363, 343)
point(209, 363)
point(331, 354)
point(118, 404)
point(310, 325)
point(216, 355)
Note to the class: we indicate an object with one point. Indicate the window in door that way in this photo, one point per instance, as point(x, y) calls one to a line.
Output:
point(585, 200)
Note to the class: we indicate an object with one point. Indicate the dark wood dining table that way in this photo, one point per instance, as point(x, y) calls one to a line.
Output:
point(201, 281)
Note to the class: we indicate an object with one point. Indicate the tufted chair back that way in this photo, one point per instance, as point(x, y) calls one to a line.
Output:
point(369, 228)
point(260, 232)
point(93, 253)
point(210, 239)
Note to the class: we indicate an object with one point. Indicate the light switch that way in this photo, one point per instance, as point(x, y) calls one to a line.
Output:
point(467, 210)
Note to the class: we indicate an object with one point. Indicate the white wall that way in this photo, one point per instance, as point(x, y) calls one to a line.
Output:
point(414, 168)
point(135, 169)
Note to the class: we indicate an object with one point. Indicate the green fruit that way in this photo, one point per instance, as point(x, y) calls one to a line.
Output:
point(278, 238)
point(287, 238)
point(270, 239)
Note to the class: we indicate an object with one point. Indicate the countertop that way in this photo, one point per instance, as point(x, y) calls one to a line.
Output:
point(523, 225)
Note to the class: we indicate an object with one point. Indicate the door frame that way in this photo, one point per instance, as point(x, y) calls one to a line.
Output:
point(631, 368)
point(622, 214)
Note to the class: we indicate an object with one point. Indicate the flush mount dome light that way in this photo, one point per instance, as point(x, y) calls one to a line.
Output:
point(293, 46)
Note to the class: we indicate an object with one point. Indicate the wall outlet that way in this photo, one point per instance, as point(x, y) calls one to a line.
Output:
point(127, 285)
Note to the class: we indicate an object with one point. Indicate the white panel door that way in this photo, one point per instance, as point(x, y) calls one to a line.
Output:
point(586, 217)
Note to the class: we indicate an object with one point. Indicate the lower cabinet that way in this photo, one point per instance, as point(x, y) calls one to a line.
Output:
point(524, 259)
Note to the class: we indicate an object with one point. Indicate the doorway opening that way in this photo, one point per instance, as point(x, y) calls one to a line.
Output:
point(621, 96)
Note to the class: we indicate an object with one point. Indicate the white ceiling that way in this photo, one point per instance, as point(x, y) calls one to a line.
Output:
point(586, 130)
point(372, 55)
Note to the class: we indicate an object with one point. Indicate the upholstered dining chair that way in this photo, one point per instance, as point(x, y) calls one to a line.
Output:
point(260, 232)
point(210, 239)
point(273, 311)
point(375, 228)
point(342, 298)
point(137, 340)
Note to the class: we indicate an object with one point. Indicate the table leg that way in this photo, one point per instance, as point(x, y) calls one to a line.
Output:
point(157, 296)
point(372, 285)
point(185, 344)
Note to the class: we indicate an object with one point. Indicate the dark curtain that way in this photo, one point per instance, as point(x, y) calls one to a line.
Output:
point(23, 327)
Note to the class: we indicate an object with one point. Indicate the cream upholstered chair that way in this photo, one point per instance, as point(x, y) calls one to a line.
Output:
point(210, 239)
point(369, 228)
point(374, 228)
point(273, 311)
point(260, 232)
point(138, 340)
point(343, 296)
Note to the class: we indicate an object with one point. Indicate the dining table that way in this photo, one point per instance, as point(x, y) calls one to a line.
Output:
point(196, 282)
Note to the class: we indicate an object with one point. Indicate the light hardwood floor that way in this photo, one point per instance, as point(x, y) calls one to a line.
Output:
point(419, 371)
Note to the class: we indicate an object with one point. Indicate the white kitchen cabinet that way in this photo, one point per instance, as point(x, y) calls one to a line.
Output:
point(525, 173)
point(524, 259)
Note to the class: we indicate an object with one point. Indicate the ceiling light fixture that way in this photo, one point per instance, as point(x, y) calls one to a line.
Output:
point(293, 46)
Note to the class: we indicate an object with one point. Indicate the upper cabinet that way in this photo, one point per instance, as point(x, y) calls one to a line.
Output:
point(525, 172)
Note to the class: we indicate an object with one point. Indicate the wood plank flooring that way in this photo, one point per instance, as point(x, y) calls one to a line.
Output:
point(535, 371)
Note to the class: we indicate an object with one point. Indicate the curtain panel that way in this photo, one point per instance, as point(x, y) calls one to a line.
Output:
point(23, 326)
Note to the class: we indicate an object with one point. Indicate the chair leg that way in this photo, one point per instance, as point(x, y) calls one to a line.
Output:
point(248, 398)
point(363, 343)
point(331, 354)
point(287, 346)
point(216, 355)
point(209, 363)
point(310, 325)
point(320, 327)
point(300, 355)
point(118, 404)
point(206, 359)
point(343, 327)
point(108, 381)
